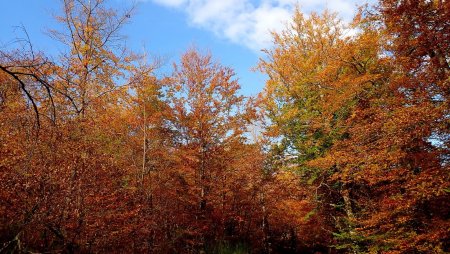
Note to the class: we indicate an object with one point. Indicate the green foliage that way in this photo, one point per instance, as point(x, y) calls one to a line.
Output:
point(348, 238)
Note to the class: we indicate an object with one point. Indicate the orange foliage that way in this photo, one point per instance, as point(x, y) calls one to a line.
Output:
point(98, 154)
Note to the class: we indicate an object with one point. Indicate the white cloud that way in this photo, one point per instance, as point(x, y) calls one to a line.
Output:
point(249, 22)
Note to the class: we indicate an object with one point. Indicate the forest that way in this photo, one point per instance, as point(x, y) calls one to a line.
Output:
point(346, 150)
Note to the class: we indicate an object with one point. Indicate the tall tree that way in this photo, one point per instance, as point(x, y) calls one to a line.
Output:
point(396, 156)
point(65, 179)
point(319, 72)
point(404, 133)
point(365, 117)
point(209, 119)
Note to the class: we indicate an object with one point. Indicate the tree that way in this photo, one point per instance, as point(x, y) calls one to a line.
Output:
point(404, 133)
point(208, 118)
point(65, 179)
point(397, 146)
point(96, 58)
point(319, 73)
point(364, 117)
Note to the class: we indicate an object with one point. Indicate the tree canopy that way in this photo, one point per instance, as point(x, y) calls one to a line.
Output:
point(100, 154)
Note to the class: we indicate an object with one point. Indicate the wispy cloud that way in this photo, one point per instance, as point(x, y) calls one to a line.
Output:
point(249, 22)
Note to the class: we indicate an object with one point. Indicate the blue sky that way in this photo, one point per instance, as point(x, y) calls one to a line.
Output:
point(234, 31)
